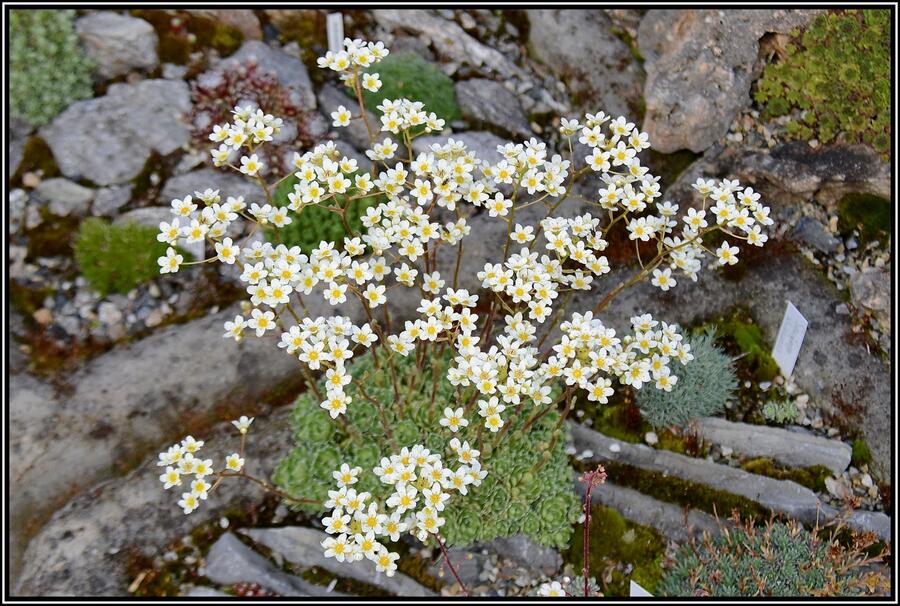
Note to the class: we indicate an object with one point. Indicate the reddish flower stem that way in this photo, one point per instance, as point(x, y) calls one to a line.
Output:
point(450, 565)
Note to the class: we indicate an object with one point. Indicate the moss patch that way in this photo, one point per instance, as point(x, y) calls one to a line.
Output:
point(616, 544)
point(870, 215)
point(681, 492)
point(861, 453)
point(409, 76)
point(740, 335)
point(810, 477)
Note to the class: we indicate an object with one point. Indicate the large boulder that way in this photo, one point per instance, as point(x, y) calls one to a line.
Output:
point(700, 65)
point(118, 43)
point(487, 102)
point(580, 47)
point(109, 139)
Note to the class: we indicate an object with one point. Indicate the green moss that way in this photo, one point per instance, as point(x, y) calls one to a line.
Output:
point(616, 542)
point(838, 73)
point(48, 70)
point(621, 419)
point(750, 342)
point(116, 258)
point(861, 453)
point(315, 223)
point(681, 492)
point(867, 213)
point(528, 488)
point(37, 157)
point(811, 477)
point(407, 75)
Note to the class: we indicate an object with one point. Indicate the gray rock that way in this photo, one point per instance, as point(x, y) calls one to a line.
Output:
point(812, 233)
point(18, 199)
point(543, 560)
point(448, 39)
point(79, 550)
point(779, 496)
point(668, 519)
point(109, 139)
point(151, 216)
point(790, 448)
point(483, 143)
point(65, 197)
point(872, 290)
point(228, 184)
point(700, 65)
point(229, 561)
point(303, 546)
point(109, 200)
point(791, 173)
point(205, 592)
point(412, 44)
point(290, 71)
point(579, 46)
point(487, 102)
point(118, 43)
point(469, 565)
point(330, 98)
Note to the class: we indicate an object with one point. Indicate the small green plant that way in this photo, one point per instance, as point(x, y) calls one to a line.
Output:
point(838, 73)
point(315, 223)
point(528, 488)
point(48, 70)
point(869, 214)
point(780, 412)
point(407, 75)
point(748, 339)
point(775, 559)
point(861, 453)
point(704, 386)
point(116, 258)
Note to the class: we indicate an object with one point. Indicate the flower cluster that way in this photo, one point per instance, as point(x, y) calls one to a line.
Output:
point(497, 340)
point(420, 486)
point(183, 459)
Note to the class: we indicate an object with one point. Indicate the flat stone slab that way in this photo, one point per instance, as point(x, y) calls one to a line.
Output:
point(229, 561)
point(790, 448)
point(303, 546)
point(671, 521)
point(81, 550)
point(780, 496)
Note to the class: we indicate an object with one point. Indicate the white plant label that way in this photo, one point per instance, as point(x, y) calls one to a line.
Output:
point(334, 26)
point(789, 340)
point(636, 591)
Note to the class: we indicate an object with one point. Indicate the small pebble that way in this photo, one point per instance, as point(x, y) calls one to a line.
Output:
point(651, 438)
point(615, 447)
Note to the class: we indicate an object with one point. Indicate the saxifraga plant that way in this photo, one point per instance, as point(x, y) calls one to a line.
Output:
point(528, 488)
point(477, 345)
point(48, 70)
point(703, 388)
point(838, 73)
point(775, 559)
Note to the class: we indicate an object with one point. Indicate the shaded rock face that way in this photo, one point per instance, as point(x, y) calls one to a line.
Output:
point(65, 197)
point(791, 173)
point(82, 549)
point(118, 43)
point(700, 65)
point(484, 101)
point(108, 140)
point(599, 68)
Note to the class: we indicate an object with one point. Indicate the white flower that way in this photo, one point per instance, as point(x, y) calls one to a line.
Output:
point(251, 165)
point(243, 424)
point(227, 251)
point(453, 419)
point(171, 262)
point(234, 462)
point(189, 502)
